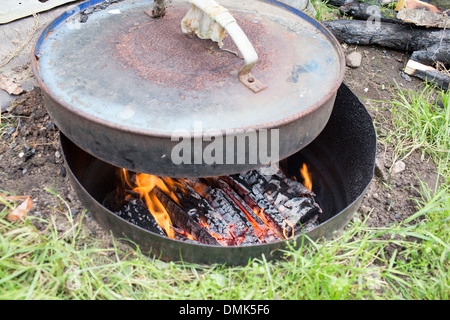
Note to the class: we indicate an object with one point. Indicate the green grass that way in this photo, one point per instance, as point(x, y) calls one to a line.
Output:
point(323, 11)
point(402, 261)
point(421, 124)
point(409, 260)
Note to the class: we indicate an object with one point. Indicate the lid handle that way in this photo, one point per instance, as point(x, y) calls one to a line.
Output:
point(209, 20)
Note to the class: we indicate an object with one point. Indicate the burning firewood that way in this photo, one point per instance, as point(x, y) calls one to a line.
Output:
point(284, 201)
point(260, 206)
point(244, 207)
point(240, 228)
point(203, 213)
point(263, 209)
point(181, 218)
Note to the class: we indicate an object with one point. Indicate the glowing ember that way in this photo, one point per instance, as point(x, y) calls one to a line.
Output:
point(145, 185)
point(225, 211)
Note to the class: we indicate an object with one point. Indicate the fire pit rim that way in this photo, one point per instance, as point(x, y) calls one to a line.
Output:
point(334, 223)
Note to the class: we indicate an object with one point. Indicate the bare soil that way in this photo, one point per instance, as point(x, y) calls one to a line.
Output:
point(391, 196)
point(31, 161)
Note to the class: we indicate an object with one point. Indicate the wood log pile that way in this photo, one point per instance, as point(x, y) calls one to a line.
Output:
point(412, 26)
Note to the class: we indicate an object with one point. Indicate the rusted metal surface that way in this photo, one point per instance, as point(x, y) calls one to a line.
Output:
point(119, 86)
point(209, 20)
point(158, 52)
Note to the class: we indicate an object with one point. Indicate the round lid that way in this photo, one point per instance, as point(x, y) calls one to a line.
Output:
point(115, 64)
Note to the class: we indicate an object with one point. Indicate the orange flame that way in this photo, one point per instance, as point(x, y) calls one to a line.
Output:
point(307, 182)
point(145, 185)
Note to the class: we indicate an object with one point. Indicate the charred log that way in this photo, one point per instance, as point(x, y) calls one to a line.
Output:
point(263, 209)
point(136, 212)
point(429, 56)
point(113, 201)
point(203, 213)
point(246, 209)
point(428, 73)
point(240, 227)
point(401, 37)
point(366, 11)
point(284, 201)
point(182, 219)
point(389, 35)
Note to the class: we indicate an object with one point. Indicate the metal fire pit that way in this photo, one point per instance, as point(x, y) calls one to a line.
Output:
point(121, 84)
point(341, 162)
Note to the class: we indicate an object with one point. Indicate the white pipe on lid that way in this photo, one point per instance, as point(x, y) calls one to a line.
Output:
point(209, 20)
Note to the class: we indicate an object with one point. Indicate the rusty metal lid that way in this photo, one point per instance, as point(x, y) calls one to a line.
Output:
point(114, 64)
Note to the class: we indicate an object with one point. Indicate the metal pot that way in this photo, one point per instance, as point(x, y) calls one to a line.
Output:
point(137, 93)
